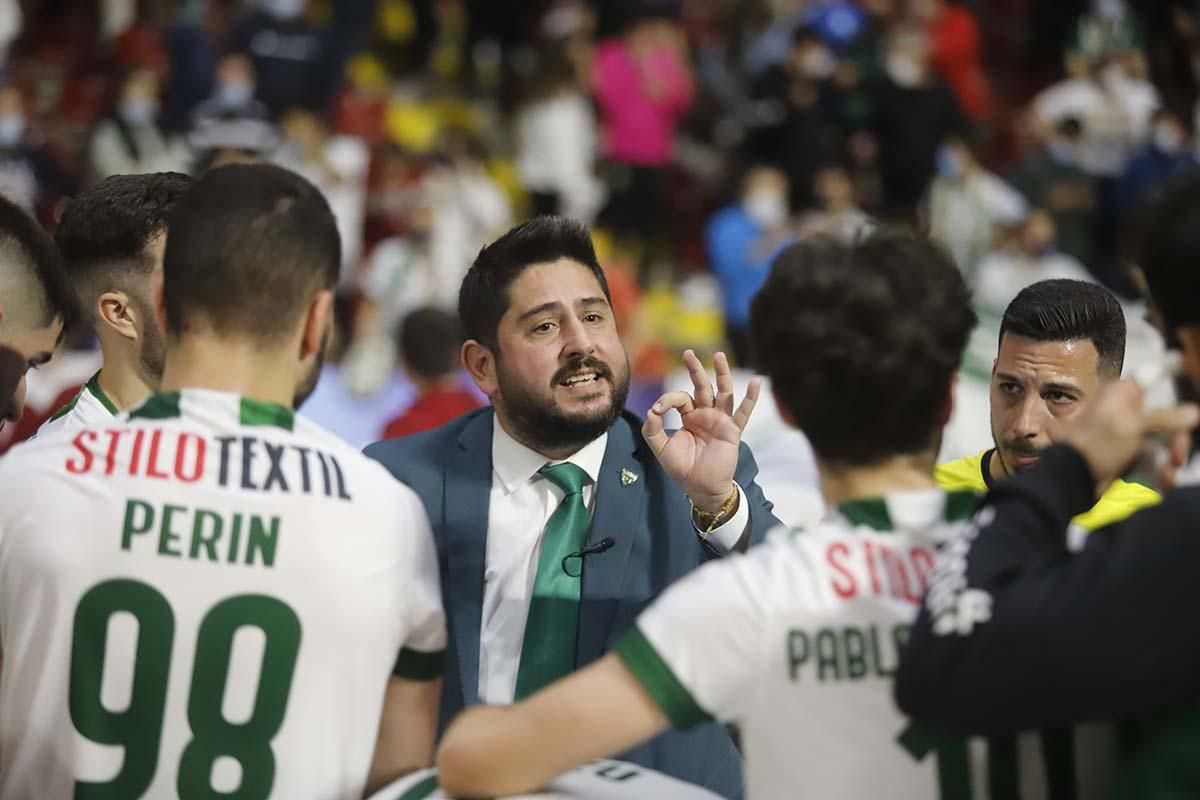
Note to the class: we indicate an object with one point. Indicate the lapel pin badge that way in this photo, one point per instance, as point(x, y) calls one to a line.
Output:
point(628, 477)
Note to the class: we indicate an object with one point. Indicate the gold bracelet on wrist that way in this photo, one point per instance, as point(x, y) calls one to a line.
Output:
point(707, 522)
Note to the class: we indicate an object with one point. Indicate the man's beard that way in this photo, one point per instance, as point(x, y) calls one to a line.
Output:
point(309, 384)
point(1017, 447)
point(152, 351)
point(539, 423)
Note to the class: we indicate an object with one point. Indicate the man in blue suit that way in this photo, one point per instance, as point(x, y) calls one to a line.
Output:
point(556, 521)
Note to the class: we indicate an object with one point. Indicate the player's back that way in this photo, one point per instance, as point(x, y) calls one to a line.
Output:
point(210, 594)
point(603, 780)
point(839, 599)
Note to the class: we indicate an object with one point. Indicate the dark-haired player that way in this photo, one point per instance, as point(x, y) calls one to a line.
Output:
point(796, 641)
point(37, 302)
point(213, 597)
point(112, 238)
point(1061, 342)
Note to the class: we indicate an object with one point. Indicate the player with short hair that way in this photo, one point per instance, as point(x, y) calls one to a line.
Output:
point(1061, 342)
point(213, 596)
point(798, 638)
point(111, 239)
point(37, 303)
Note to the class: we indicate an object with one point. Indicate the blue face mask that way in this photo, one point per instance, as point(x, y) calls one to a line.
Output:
point(138, 111)
point(948, 163)
point(12, 129)
point(232, 95)
point(1062, 152)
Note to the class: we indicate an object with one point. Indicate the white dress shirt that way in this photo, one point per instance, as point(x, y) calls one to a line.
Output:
point(520, 505)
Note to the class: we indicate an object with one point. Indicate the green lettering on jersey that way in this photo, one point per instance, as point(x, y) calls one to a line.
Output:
point(797, 652)
point(199, 537)
point(262, 541)
point(827, 655)
point(856, 650)
point(235, 538)
point(166, 536)
point(139, 519)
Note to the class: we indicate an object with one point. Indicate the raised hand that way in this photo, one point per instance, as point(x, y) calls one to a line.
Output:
point(703, 454)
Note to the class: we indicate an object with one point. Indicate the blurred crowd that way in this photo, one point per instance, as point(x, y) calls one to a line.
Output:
point(696, 137)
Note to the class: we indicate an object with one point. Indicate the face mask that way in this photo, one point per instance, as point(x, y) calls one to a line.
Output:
point(1061, 152)
point(818, 64)
point(284, 9)
point(232, 95)
point(1167, 139)
point(949, 163)
point(905, 71)
point(12, 128)
point(138, 111)
point(1109, 9)
point(767, 208)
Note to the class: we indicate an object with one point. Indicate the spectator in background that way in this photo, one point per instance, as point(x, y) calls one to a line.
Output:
point(429, 343)
point(791, 125)
point(556, 141)
point(337, 165)
point(743, 239)
point(1034, 257)
point(130, 141)
point(231, 125)
point(642, 83)
point(956, 53)
point(1051, 179)
point(1110, 27)
point(288, 55)
point(837, 213)
point(1167, 153)
point(28, 172)
point(914, 113)
point(967, 203)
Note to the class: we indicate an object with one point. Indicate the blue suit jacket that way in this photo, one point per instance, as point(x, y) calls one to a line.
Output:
point(650, 519)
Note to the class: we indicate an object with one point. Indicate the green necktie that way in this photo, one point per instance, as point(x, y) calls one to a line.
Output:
point(548, 651)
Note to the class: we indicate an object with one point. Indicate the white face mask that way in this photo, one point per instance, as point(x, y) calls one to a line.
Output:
point(1062, 151)
point(235, 94)
point(12, 128)
point(1109, 9)
point(284, 9)
point(766, 207)
point(904, 70)
point(1167, 139)
point(138, 111)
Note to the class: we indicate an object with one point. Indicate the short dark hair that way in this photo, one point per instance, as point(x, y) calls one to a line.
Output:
point(861, 340)
point(1062, 310)
point(1170, 245)
point(26, 246)
point(430, 340)
point(104, 232)
point(483, 298)
point(249, 245)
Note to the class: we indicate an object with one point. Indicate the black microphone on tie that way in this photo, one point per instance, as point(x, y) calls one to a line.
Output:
point(602, 546)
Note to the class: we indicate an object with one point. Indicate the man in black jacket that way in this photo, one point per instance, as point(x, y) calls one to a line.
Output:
point(1017, 632)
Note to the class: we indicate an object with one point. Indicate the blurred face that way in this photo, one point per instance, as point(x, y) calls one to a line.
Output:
point(834, 187)
point(1040, 234)
point(32, 347)
point(562, 375)
point(1038, 388)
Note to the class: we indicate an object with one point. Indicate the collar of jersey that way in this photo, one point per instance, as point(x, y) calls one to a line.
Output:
point(873, 513)
point(93, 386)
point(166, 405)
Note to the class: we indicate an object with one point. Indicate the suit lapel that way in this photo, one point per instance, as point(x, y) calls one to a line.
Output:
point(468, 487)
point(618, 512)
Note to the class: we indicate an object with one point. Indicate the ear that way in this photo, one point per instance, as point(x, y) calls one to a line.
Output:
point(160, 308)
point(115, 311)
point(316, 322)
point(480, 362)
point(947, 411)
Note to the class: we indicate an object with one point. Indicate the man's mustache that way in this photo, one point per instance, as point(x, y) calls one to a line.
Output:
point(601, 369)
point(1022, 447)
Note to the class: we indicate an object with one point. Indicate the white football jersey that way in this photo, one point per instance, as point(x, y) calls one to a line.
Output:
point(797, 642)
point(603, 780)
point(205, 596)
point(89, 407)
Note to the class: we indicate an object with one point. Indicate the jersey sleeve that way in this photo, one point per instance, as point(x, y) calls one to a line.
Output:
point(422, 654)
point(697, 649)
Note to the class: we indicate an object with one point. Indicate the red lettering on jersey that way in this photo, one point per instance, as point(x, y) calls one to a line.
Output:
point(870, 555)
point(111, 458)
point(847, 589)
point(922, 564)
point(197, 462)
point(80, 467)
point(135, 458)
point(898, 578)
point(152, 470)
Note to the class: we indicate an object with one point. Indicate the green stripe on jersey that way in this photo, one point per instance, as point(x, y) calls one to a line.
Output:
point(422, 790)
point(873, 513)
point(66, 407)
point(160, 406)
point(414, 665)
point(93, 386)
point(256, 412)
point(659, 681)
